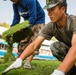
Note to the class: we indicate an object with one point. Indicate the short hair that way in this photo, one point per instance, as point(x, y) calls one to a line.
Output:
point(61, 5)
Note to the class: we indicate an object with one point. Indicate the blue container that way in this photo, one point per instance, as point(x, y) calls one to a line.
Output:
point(2, 52)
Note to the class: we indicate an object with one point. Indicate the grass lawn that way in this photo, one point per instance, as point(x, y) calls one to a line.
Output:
point(39, 67)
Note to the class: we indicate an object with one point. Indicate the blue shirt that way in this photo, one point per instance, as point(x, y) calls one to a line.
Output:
point(30, 10)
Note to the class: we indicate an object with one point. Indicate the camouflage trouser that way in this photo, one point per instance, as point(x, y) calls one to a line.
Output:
point(24, 43)
point(59, 50)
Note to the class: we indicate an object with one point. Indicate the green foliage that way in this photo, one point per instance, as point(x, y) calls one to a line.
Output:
point(8, 57)
point(39, 67)
point(14, 29)
point(15, 34)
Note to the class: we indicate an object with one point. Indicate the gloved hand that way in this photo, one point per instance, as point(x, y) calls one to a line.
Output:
point(17, 63)
point(57, 72)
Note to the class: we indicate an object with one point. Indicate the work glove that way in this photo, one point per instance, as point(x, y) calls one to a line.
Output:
point(57, 72)
point(16, 64)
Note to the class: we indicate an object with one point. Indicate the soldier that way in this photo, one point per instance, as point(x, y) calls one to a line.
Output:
point(63, 28)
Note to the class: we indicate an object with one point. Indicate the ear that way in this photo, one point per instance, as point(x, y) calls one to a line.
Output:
point(63, 9)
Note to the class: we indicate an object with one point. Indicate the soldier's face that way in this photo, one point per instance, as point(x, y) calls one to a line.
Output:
point(55, 14)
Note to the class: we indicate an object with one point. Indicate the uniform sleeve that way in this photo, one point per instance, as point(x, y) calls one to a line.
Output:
point(46, 32)
point(16, 17)
point(74, 26)
point(32, 8)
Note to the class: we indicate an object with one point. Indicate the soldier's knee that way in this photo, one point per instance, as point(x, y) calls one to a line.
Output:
point(55, 47)
point(59, 50)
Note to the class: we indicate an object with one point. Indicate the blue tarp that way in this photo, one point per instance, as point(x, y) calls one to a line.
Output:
point(45, 57)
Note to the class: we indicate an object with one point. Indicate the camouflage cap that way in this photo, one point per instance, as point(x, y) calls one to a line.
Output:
point(52, 3)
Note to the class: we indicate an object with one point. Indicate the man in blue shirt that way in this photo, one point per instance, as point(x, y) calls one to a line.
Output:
point(30, 10)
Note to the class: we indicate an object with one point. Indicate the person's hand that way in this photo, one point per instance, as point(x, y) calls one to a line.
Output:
point(57, 72)
point(16, 64)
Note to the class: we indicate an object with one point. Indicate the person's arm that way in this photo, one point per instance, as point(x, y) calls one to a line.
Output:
point(70, 58)
point(28, 51)
point(32, 8)
point(16, 17)
point(32, 47)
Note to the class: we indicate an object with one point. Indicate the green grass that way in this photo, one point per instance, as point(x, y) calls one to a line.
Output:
point(39, 67)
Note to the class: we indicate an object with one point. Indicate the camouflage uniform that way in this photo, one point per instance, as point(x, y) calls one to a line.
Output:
point(24, 43)
point(59, 50)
